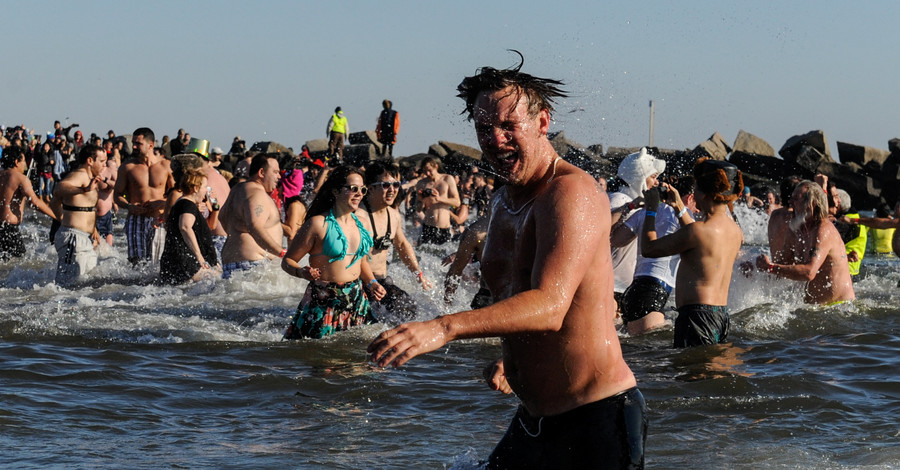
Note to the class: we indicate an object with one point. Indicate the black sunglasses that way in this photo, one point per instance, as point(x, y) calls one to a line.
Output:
point(356, 189)
point(387, 184)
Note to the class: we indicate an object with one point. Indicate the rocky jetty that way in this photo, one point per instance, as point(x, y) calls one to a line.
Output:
point(869, 175)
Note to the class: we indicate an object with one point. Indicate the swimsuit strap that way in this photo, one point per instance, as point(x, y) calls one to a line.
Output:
point(372, 219)
point(365, 241)
point(67, 207)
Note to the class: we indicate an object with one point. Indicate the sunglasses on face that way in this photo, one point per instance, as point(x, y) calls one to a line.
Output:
point(387, 184)
point(356, 189)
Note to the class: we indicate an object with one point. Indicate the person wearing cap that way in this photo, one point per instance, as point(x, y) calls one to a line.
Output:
point(216, 191)
point(707, 249)
point(337, 130)
point(638, 172)
point(654, 278)
point(815, 252)
point(141, 188)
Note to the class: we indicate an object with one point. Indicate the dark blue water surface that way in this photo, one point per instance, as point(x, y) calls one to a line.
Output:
point(129, 375)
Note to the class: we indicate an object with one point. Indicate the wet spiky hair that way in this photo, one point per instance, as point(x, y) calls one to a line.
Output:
point(540, 92)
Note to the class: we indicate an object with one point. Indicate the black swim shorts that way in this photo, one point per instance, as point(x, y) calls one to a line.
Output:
point(398, 305)
point(609, 433)
point(11, 243)
point(697, 325)
point(434, 235)
point(645, 294)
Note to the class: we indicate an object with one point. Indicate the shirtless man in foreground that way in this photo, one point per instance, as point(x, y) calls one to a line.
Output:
point(547, 262)
point(708, 248)
point(251, 219)
point(141, 187)
point(15, 189)
point(437, 194)
point(815, 253)
point(77, 236)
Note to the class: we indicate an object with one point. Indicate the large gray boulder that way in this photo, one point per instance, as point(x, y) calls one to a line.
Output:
point(750, 144)
point(862, 155)
point(768, 167)
point(451, 147)
point(815, 139)
point(317, 145)
point(715, 147)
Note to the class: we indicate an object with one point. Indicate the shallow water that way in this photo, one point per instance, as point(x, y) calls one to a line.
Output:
point(126, 374)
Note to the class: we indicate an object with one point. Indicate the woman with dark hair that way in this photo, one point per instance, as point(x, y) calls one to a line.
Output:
point(337, 243)
point(190, 253)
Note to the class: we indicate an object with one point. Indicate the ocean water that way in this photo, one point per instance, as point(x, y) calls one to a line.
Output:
point(125, 374)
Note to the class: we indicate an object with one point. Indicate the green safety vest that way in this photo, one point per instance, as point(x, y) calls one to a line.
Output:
point(339, 124)
point(858, 245)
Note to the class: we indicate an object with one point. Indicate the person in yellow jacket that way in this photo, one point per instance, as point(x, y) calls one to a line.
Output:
point(337, 130)
point(883, 223)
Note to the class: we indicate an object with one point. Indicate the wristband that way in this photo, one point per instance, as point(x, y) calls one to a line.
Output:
point(373, 281)
point(282, 253)
point(682, 212)
point(651, 213)
point(771, 269)
point(419, 274)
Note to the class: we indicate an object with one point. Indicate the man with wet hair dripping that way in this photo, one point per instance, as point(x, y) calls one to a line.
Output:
point(815, 253)
point(547, 263)
point(708, 248)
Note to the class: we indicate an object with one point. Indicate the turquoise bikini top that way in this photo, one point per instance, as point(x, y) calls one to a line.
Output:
point(335, 244)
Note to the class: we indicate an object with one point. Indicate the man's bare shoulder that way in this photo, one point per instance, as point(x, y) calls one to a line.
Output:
point(573, 185)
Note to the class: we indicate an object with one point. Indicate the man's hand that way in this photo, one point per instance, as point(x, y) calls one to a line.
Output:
point(496, 378)
point(852, 256)
point(763, 263)
point(399, 345)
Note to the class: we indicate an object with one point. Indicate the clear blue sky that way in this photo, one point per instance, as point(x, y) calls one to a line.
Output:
point(276, 70)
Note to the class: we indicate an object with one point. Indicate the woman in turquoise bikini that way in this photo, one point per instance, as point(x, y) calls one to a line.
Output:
point(337, 243)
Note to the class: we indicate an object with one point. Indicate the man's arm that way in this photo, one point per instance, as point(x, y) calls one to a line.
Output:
point(674, 243)
point(452, 192)
point(28, 191)
point(566, 244)
point(807, 271)
point(405, 249)
point(875, 222)
point(121, 188)
point(468, 245)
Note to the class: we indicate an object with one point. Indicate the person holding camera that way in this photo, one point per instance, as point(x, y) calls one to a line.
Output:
point(436, 195)
point(654, 278)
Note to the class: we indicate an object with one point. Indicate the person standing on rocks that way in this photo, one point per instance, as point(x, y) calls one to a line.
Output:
point(386, 128)
point(337, 131)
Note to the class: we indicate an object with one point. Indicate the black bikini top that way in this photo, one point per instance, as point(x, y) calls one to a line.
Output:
point(380, 243)
point(67, 207)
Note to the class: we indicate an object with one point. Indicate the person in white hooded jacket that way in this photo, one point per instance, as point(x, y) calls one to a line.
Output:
point(639, 172)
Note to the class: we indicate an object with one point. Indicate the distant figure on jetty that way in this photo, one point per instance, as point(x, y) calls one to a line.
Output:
point(77, 235)
point(707, 248)
point(338, 245)
point(337, 130)
point(15, 189)
point(436, 195)
point(141, 187)
point(814, 251)
point(547, 262)
point(386, 128)
point(386, 225)
point(251, 218)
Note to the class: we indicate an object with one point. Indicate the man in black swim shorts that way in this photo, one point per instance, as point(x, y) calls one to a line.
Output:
point(546, 259)
point(15, 189)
